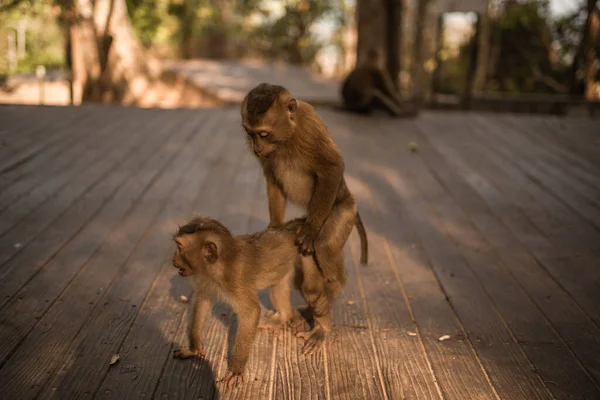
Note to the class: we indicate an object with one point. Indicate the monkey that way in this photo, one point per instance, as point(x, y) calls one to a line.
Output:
point(234, 268)
point(370, 87)
point(302, 165)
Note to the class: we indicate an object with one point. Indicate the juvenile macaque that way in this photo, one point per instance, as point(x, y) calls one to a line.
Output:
point(234, 268)
point(369, 87)
point(302, 164)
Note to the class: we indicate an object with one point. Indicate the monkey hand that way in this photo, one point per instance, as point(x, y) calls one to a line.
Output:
point(305, 239)
point(185, 352)
point(232, 379)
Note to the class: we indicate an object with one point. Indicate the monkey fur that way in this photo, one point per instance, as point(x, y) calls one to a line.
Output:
point(234, 268)
point(302, 164)
point(370, 87)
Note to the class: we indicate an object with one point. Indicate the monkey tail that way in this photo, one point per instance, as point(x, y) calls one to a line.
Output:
point(364, 244)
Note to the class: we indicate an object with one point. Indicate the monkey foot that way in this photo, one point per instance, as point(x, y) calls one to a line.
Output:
point(315, 339)
point(272, 322)
point(185, 352)
point(232, 379)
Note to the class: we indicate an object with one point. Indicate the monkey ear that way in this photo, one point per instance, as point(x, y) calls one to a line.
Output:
point(292, 104)
point(210, 252)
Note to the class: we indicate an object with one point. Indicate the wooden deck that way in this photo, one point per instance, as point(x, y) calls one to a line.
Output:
point(490, 234)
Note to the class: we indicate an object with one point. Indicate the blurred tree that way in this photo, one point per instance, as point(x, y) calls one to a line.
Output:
point(290, 37)
point(578, 35)
point(109, 64)
point(523, 57)
point(29, 36)
point(146, 17)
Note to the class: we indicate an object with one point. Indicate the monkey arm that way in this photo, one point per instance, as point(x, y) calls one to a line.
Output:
point(248, 318)
point(200, 311)
point(326, 188)
point(277, 202)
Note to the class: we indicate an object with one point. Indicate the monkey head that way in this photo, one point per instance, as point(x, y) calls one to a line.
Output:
point(269, 118)
point(201, 244)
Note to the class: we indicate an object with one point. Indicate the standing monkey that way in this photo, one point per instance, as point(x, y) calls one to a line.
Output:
point(234, 268)
point(369, 87)
point(302, 164)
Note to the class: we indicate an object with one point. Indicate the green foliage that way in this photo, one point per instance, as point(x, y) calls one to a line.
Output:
point(44, 42)
point(146, 18)
point(524, 56)
point(291, 37)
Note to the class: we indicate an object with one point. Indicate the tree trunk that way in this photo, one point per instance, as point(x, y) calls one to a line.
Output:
point(371, 28)
point(590, 50)
point(484, 51)
point(418, 67)
point(585, 51)
point(110, 66)
point(394, 42)
point(472, 68)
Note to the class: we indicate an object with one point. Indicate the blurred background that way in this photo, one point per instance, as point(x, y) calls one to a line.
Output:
point(514, 55)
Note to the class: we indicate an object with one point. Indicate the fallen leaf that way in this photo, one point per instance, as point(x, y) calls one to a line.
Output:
point(18, 245)
point(183, 299)
point(445, 337)
point(411, 333)
point(114, 359)
point(412, 146)
point(351, 302)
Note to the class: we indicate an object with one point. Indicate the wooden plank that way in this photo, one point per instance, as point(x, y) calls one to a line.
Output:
point(17, 183)
point(81, 374)
point(27, 151)
point(529, 326)
point(83, 252)
point(19, 269)
point(582, 285)
point(139, 349)
point(538, 175)
point(55, 187)
point(554, 166)
point(389, 314)
point(576, 139)
point(458, 373)
point(569, 232)
point(579, 334)
point(22, 125)
point(508, 368)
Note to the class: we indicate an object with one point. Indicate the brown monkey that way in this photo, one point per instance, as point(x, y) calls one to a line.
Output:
point(234, 268)
point(302, 164)
point(369, 87)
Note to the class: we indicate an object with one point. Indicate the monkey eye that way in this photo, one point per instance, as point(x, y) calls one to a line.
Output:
point(263, 134)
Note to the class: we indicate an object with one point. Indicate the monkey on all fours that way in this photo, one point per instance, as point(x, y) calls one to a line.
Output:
point(234, 268)
point(369, 87)
point(303, 165)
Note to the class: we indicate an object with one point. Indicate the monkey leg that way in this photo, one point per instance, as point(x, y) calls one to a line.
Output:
point(330, 242)
point(248, 317)
point(284, 313)
point(315, 294)
point(381, 100)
